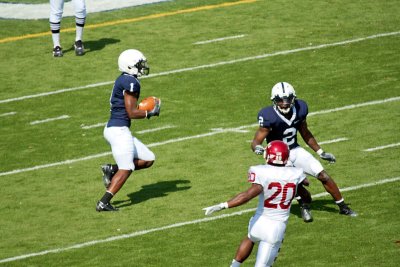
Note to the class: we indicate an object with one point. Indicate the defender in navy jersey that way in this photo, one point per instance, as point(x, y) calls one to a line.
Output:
point(284, 128)
point(129, 152)
point(282, 121)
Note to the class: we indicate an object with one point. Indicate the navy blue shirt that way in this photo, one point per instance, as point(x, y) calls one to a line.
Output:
point(125, 82)
point(280, 127)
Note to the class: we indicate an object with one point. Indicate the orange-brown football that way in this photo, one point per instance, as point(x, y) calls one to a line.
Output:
point(148, 103)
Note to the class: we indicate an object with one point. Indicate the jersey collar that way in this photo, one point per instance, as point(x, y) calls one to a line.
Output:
point(288, 122)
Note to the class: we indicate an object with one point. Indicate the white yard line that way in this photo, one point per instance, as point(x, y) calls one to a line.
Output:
point(8, 114)
point(177, 225)
point(56, 92)
point(213, 132)
point(102, 124)
point(155, 129)
point(220, 39)
point(356, 106)
point(333, 141)
point(381, 147)
point(65, 162)
point(86, 127)
point(285, 52)
point(62, 117)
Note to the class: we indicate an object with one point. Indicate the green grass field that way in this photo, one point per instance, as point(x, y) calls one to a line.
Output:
point(342, 57)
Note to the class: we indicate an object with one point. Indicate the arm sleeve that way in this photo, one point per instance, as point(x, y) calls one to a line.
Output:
point(263, 119)
point(254, 177)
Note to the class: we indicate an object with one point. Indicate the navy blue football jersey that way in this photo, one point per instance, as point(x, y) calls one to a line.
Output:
point(280, 127)
point(119, 116)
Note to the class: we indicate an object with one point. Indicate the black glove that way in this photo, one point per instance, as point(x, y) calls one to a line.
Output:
point(156, 110)
point(328, 156)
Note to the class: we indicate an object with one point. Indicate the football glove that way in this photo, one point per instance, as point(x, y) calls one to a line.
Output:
point(156, 110)
point(259, 150)
point(326, 156)
point(215, 208)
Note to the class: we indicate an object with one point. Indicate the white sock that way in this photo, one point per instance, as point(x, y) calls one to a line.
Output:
point(235, 263)
point(56, 39)
point(80, 23)
point(79, 33)
point(339, 201)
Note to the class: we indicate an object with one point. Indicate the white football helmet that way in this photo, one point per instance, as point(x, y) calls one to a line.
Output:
point(283, 92)
point(133, 62)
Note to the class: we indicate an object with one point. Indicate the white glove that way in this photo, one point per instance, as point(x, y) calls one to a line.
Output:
point(326, 156)
point(214, 208)
point(259, 150)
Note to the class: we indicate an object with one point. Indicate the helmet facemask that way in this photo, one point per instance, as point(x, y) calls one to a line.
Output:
point(142, 67)
point(287, 102)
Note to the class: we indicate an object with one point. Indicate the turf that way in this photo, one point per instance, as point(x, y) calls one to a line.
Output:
point(50, 174)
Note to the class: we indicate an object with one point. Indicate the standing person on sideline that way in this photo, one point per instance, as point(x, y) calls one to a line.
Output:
point(129, 152)
point(282, 121)
point(276, 186)
point(56, 12)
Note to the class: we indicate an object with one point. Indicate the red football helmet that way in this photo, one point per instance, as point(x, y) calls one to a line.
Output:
point(277, 153)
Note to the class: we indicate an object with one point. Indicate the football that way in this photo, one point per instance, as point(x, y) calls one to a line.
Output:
point(148, 103)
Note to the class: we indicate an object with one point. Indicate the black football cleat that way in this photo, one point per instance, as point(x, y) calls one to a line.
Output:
point(57, 52)
point(305, 210)
point(105, 207)
point(79, 49)
point(108, 174)
point(345, 210)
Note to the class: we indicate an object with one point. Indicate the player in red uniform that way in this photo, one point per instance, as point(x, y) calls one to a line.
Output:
point(276, 186)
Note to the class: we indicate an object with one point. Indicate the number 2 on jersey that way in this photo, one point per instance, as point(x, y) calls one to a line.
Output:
point(281, 195)
point(289, 136)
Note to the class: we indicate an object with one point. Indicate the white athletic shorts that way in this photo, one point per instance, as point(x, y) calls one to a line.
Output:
point(301, 158)
point(270, 234)
point(126, 147)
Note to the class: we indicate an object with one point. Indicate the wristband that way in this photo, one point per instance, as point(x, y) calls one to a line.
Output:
point(320, 151)
point(224, 205)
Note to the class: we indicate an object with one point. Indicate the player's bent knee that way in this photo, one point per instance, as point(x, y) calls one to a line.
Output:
point(323, 177)
point(149, 163)
point(142, 164)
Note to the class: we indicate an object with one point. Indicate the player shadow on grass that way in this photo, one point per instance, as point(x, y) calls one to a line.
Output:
point(91, 46)
point(325, 205)
point(159, 189)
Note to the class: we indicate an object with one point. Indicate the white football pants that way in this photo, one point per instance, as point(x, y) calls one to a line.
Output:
point(301, 158)
point(57, 8)
point(126, 147)
point(270, 234)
